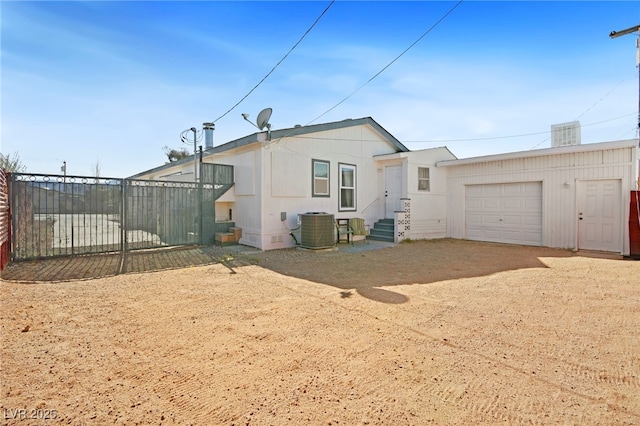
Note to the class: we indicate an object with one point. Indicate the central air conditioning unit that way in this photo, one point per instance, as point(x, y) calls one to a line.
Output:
point(565, 134)
point(317, 230)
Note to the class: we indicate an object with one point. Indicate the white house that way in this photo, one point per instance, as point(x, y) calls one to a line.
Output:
point(570, 196)
point(349, 168)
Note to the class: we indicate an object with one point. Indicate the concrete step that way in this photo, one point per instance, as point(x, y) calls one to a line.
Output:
point(376, 237)
point(383, 226)
point(383, 230)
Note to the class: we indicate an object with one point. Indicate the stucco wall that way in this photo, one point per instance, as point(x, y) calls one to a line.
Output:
point(428, 208)
point(287, 179)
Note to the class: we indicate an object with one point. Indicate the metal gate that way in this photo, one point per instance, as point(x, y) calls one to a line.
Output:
point(72, 215)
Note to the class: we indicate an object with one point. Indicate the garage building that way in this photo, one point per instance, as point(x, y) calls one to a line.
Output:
point(573, 197)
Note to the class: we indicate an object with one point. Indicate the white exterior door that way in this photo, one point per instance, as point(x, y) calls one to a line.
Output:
point(504, 213)
point(393, 190)
point(600, 215)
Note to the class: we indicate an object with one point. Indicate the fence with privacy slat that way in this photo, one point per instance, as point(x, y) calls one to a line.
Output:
point(74, 215)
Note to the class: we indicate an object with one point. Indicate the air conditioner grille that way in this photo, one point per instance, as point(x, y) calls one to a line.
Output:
point(318, 230)
point(565, 134)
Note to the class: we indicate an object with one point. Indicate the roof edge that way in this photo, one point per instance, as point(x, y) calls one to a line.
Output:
point(348, 122)
point(280, 134)
point(628, 143)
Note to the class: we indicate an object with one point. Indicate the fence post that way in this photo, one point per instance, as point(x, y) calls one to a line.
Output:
point(200, 202)
point(123, 211)
point(66, 208)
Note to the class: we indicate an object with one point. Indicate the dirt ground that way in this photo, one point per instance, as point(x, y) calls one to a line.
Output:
point(431, 332)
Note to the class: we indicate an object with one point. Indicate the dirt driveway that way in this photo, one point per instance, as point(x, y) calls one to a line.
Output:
point(431, 332)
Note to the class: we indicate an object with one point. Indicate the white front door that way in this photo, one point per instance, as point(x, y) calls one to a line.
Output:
point(393, 190)
point(600, 215)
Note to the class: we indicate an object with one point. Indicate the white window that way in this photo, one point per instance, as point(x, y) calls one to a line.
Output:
point(423, 179)
point(347, 173)
point(320, 178)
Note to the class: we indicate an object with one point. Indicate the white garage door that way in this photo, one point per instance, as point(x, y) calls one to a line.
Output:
point(505, 213)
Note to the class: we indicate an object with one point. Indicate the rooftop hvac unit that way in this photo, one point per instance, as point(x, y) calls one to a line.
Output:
point(565, 134)
point(317, 230)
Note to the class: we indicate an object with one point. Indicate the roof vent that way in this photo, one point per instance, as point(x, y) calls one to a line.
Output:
point(208, 134)
point(565, 134)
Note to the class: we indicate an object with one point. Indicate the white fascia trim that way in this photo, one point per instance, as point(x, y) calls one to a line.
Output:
point(630, 143)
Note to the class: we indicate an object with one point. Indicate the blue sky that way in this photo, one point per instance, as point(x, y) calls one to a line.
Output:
point(114, 82)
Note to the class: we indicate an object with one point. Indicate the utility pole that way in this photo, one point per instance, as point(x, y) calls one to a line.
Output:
point(195, 155)
point(615, 34)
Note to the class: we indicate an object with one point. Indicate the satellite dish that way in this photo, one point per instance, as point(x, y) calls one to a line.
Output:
point(263, 118)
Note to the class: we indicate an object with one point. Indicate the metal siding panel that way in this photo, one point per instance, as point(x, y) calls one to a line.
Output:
point(559, 201)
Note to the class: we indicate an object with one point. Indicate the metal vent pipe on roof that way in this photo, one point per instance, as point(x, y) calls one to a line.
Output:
point(208, 134)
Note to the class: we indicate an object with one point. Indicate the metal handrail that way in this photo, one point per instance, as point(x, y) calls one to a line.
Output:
point(370, 204)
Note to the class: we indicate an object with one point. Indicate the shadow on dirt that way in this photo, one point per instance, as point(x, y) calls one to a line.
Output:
point(368, 273)
point(418, 262)
point(73, 268)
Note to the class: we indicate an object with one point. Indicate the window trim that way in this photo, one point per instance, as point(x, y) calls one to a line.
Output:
point(427, 179)
point(313, 178)
point(353, 167)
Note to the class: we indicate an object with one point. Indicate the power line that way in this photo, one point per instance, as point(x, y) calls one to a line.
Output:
point(183, 134)
point(586, 111)
point(511, 136)
point(391, 63)
point(455, 140)
point(600, 100)
point(379, 72)
point(279, 62)
point(185, 139)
